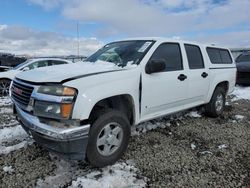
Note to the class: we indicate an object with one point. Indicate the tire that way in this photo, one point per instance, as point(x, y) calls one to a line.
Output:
point(217, 103)
point(108, 138)
point(4, 87)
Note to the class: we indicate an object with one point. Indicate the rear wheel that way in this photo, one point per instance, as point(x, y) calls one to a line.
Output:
point(4, 87)
point(217, 103)
point(108, 138)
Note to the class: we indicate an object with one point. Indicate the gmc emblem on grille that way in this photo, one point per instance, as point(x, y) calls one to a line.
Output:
point(17, 90)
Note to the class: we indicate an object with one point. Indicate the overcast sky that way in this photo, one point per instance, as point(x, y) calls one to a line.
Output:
point(48, 27)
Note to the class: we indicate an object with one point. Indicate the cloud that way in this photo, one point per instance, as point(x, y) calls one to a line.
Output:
point(23, 40)
point(229, 39)
point(156, 17)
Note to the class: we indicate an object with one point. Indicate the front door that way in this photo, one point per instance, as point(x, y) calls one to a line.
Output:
point(166, 91)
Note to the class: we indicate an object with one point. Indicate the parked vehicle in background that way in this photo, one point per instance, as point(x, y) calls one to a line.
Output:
point(243, 68)
point(6, 77)
point(11, 60)
point(4, 68)
point(87, 112)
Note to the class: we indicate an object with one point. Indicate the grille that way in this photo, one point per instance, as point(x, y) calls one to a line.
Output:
point(21, 93)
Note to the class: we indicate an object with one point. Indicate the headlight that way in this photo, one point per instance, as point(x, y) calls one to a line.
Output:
point(52, 110)
point(59, 106)
point(57, 90)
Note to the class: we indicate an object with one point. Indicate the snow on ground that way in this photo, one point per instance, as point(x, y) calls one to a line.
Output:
point(6, 110)
point(5, 101)
point(8, 169)
point(13, 134)
point(148, 126)
point(239, 117)
point(193, 114)
point(206, 152)
point(193, 146)
point(223, 146)
point(7, 149)
point(241, 93)
point(9, 134)
point(64, 172)
point(118, 175)
point(163, 122)
point(121, 174)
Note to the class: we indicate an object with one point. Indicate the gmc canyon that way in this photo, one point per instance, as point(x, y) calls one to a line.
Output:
point(84, 111)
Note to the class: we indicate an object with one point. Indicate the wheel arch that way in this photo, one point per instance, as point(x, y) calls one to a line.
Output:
point(5, 78)
point(224, 84)
point(124, 103)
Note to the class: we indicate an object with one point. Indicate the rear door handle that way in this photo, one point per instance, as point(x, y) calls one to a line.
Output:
point(182, 77)
point(204, 74)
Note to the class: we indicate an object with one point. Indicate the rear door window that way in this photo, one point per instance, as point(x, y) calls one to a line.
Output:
point(195, 59)
point(225, 56)
point(219, 56)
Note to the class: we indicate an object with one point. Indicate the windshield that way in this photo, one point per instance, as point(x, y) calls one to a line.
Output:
point(22, 64)
point(243, 58)
point(122, 53)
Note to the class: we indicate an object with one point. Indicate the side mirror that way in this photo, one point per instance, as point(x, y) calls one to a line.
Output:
point(25, 69)
point(155, 65)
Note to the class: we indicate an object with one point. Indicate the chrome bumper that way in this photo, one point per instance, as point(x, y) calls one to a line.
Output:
point(33, 123)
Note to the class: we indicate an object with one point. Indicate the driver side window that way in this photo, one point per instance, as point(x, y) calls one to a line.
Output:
point(171, 53)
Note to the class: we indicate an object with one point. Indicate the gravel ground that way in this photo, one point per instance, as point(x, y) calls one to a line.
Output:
point(184, 152)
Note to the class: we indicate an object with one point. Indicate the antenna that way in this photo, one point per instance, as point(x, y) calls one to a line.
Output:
point(78, 42)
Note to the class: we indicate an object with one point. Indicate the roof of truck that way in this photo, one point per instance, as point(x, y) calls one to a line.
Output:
point(164, 39)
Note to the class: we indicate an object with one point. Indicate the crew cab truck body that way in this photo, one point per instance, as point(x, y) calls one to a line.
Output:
point(85, 110)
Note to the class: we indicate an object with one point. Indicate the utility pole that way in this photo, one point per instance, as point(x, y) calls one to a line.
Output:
point(78, 42)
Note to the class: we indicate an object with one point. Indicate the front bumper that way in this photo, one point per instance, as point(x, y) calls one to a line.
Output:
point(70, 143)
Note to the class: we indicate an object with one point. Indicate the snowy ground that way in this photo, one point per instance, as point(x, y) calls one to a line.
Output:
point(241, 93)
point(148, 161)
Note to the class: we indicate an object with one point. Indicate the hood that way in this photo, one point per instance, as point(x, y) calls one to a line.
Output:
point(243, 66)
point(62, 73)
point(10, 74)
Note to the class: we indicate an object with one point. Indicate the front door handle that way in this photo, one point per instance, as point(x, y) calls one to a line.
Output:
point(182, 77)
point(204, 74)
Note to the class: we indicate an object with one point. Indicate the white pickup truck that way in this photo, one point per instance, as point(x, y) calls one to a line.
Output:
point(85, 110)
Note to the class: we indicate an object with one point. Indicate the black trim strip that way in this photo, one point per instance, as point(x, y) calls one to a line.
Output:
point(87, 75)
point(140, 94)
point(223, 68)
point(36, 83)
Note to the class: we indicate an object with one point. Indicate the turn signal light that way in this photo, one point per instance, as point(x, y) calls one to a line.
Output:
point(66, 110)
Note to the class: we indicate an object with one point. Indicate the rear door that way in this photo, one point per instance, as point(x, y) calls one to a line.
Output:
point(166, 91)
point(198, 75)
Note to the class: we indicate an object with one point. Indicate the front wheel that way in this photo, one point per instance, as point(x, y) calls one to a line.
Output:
point(217, 103)
point(108, 138)
point(4, 87)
